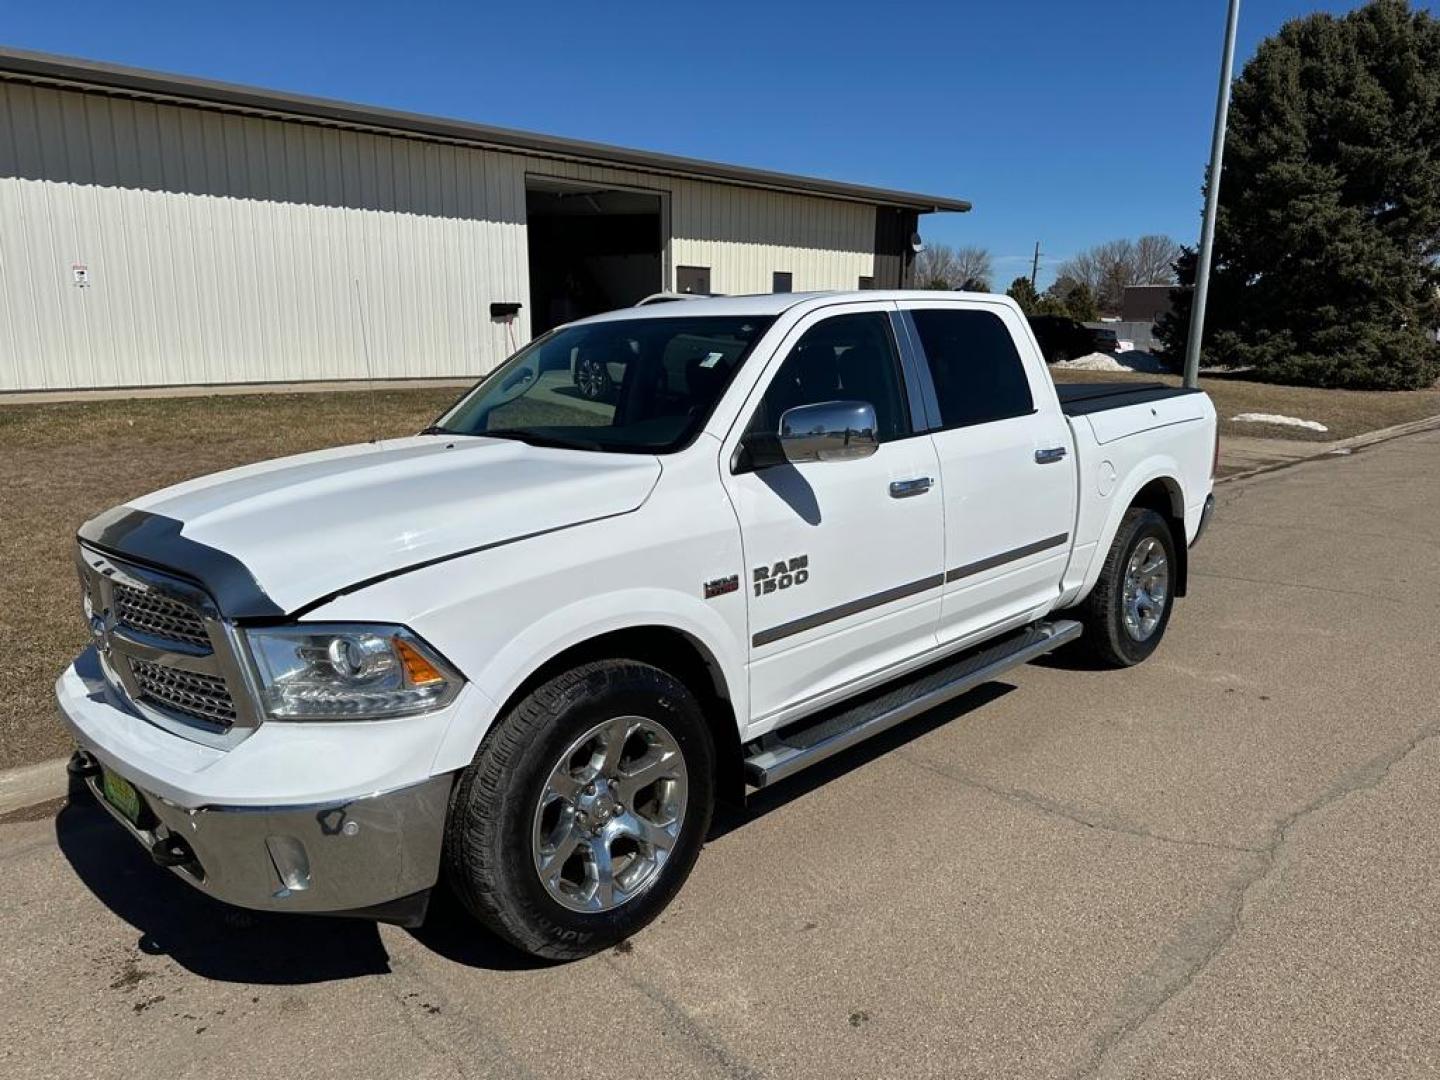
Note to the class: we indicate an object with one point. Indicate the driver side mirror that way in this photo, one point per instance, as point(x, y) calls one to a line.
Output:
point(828, 431)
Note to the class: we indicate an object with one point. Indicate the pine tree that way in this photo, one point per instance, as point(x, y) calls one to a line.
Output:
point(1024, 294)
point(1327, 243)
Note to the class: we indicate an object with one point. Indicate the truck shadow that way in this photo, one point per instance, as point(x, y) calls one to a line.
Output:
point(217, 941)
point(204, 936)
point(766, 801)
point(451, 933)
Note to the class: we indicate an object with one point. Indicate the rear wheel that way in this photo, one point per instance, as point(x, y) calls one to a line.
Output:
point(584, 809)
point(1126, 614)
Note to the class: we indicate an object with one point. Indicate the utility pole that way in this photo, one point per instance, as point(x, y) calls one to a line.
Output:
point(1035, 265)
point(1212, 201)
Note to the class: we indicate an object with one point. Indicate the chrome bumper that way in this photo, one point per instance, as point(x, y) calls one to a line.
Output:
point(376, 856)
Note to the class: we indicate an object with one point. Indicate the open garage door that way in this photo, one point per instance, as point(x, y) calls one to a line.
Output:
point(592, 249)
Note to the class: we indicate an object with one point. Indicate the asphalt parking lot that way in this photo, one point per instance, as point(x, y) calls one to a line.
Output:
point(1222, 863)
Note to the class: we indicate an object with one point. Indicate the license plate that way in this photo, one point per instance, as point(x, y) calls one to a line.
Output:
point(121, 794)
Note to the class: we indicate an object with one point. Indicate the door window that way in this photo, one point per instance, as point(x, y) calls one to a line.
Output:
point(978, 374)
point(844, 358)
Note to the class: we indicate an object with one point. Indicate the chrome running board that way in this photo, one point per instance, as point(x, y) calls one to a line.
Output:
point(785, 752)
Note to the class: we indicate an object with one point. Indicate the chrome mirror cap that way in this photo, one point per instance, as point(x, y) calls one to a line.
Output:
point(828, 431)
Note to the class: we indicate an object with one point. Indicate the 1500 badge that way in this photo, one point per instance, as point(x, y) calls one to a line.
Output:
point(782, 575)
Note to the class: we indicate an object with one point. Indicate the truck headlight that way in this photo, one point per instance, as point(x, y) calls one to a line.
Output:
point(348, 671)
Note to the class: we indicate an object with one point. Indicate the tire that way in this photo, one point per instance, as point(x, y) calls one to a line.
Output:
point(507, 817)
point(1110, 637)
point(592, 379)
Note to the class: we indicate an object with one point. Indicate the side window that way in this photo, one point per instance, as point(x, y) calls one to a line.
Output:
point(843, 358)
point(977, 371)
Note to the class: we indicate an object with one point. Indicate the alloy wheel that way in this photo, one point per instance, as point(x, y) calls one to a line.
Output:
point(1147, 588)
point(610, 814)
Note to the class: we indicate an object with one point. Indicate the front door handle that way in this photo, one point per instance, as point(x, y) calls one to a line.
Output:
point(1050, 455)
point(903, 489)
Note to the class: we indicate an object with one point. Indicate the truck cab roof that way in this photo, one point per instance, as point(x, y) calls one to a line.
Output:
point(772, 304)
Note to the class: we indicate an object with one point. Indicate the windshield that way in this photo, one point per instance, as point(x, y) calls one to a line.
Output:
point(636, 386)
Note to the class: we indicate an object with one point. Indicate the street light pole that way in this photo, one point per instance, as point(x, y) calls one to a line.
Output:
point(1212, 201)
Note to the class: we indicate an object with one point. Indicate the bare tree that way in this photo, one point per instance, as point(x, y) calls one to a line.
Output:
point(935, 267)
point(975, 268)
point(940, 266)
point(1108, 269)
point(1155, 260)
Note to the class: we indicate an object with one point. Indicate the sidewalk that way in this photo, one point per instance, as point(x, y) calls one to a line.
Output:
point(1243, 455)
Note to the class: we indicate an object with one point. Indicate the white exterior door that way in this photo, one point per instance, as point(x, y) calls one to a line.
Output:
point(1006, 465)
point(843, 576)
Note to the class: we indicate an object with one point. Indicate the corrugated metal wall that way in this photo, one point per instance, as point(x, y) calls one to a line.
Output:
point(225, 248)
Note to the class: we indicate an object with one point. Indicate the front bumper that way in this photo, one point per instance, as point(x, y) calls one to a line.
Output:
point(355, 855)
point(378, 855)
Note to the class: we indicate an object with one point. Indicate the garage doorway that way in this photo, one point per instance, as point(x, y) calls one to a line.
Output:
point(592, 249)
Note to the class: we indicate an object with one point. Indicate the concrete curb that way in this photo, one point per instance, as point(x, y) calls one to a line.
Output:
point(1355, 442)
point(30, 785)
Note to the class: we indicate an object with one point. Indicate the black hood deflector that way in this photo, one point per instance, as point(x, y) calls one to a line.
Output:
point(155, 541)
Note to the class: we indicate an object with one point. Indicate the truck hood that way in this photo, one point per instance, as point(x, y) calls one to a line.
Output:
point(309, 526)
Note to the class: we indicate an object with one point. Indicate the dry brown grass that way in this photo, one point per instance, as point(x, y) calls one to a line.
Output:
point(1344, 412)
point(62, 464)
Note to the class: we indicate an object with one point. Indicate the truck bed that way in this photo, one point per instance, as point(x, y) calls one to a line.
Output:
point(1081, 399)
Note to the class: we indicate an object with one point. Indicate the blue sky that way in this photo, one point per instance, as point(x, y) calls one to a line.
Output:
point(1063, 121)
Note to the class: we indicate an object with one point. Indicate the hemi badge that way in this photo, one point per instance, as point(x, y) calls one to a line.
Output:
point(721, 586)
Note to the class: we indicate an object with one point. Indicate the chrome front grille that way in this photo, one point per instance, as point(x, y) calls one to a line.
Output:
point(158, 615)
point(167, 650)
point(205, 697)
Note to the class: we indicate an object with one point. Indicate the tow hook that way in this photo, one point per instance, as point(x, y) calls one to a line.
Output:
point(82, 766)
point(171, 850)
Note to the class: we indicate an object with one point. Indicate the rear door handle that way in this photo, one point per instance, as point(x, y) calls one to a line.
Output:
point(1050, 455)
point(903, 489)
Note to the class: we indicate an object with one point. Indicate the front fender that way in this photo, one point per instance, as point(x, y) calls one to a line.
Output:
point(563, 628)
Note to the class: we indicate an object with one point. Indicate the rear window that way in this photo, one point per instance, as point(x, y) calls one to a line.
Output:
point(977, 371)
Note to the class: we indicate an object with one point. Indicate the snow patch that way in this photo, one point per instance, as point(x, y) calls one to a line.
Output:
point(1133, 360)
point(1283, 421)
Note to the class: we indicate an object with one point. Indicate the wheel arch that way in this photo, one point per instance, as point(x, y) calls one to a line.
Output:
point(673, 649)
point(1155, 486)
point(1164, 495)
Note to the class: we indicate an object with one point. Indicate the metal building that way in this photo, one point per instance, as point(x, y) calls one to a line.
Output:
point(163, 230)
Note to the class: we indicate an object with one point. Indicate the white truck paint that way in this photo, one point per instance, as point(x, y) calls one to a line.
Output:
point(793, 586)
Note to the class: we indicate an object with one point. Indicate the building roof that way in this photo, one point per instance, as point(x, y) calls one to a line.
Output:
point(183, 89)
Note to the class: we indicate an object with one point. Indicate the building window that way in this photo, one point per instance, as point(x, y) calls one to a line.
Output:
point(867, 281)
point(694, 280)
point(780, 281)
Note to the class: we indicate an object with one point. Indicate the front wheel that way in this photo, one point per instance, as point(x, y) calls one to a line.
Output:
point(584, 809)
point(1126, 614)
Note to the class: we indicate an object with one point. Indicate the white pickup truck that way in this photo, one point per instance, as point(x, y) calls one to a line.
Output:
point(526, 650)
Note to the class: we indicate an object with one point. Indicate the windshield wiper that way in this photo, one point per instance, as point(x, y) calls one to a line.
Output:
point(534, 438)
point(440, 429)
